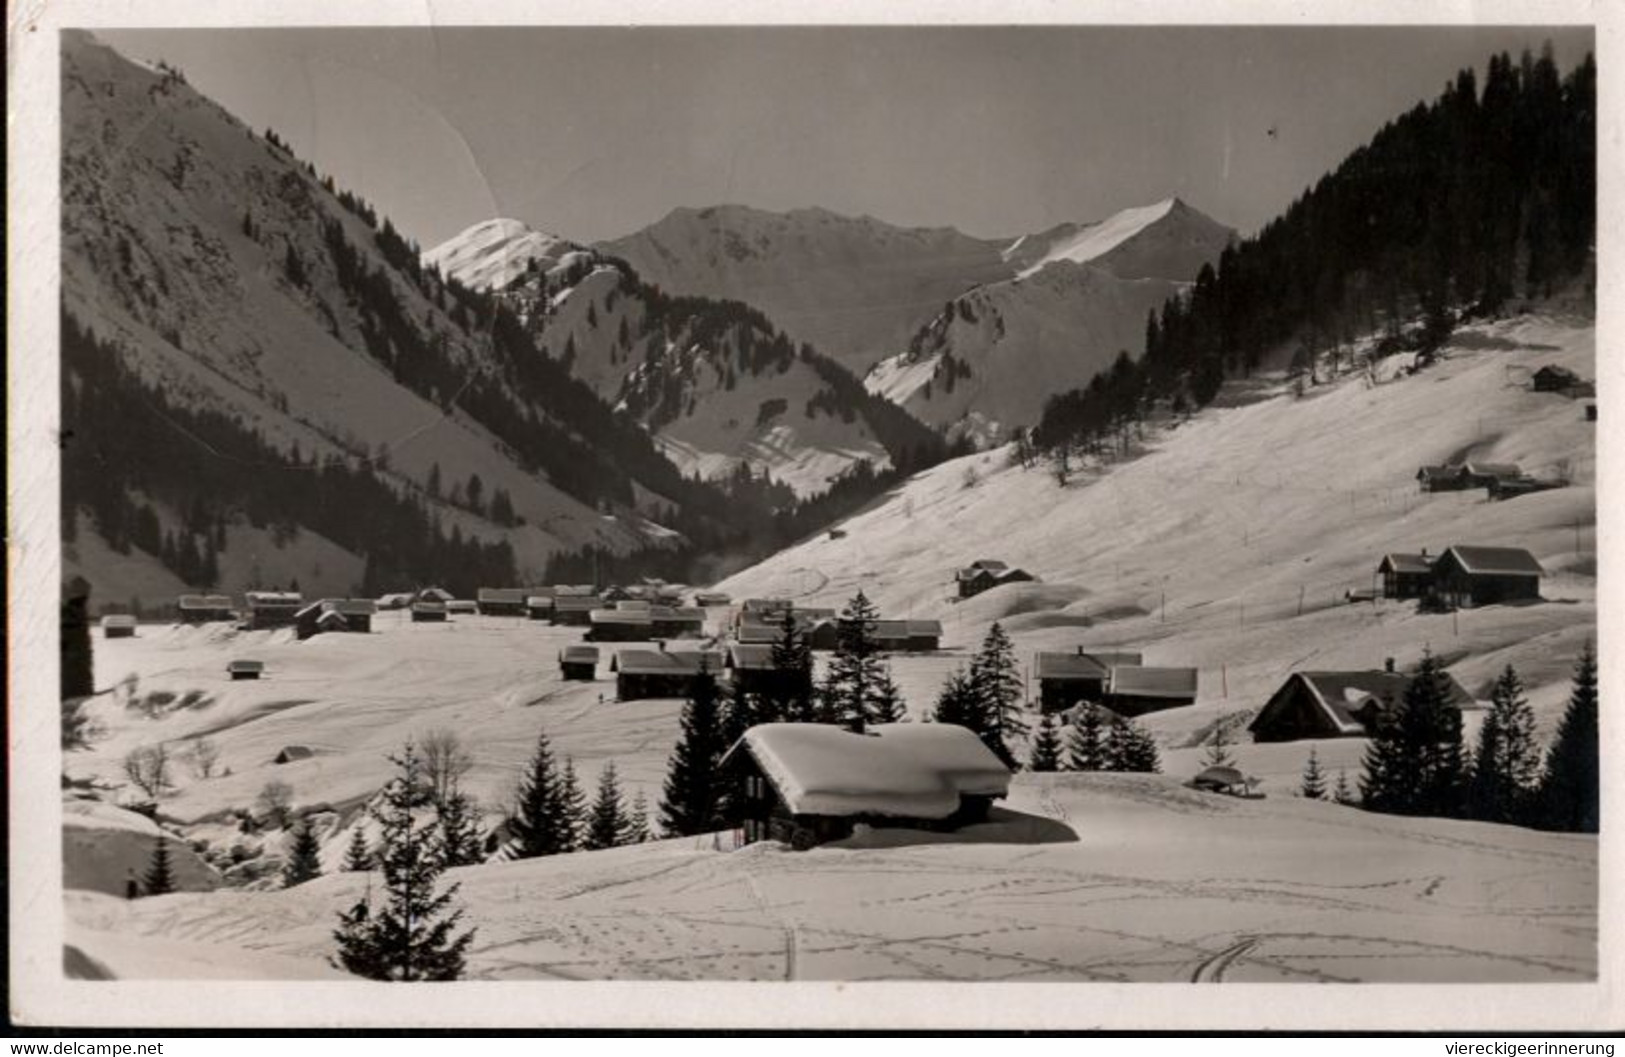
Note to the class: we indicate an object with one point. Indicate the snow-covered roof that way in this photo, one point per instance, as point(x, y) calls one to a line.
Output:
point(626, 617)
point(1131, 680)
point(1084, 665)
point(579, 655)
point(353, 607)
point(1498, 561)
point(503, 595)
point(900, 770)
point(205, 602)
point(1344, 696)
point(750, 656)
point(118, 620)
point(576, 603)
point(279, 599)
point(538, 601)
point(1492, 469)
point(1406, 563)
point(664, 662)
point(245, 666)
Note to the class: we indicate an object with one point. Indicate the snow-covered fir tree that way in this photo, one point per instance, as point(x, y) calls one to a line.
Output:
point(1218, 746)
point(412, 935)
point(637, 821)
point(539, 824)
point(852, 684)
point(790, 695)
point(1046, 752)
point(159, 878)
point(995, 680)
point(1569, 792)
point(607, 824)
point(304, 857)
point(1086, 747)
point(459, 818)
point(1130, 747)
point(888, 700)
point(954, 702)
point(1313, 785)
point(1414, 764)
point(693, 791)
point(1342, 792)
point(358, 857)
point(1506, 762)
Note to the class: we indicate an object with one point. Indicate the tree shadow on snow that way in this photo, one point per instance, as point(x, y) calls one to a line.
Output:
point(1003, 826)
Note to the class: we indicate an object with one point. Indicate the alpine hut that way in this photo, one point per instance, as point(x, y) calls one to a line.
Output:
point(118, 626)
point(204, 609)
point(1136, 689)
point(245, 669)
point(425, 611)
point(1347, 704)
point(620, 625)
point(272, 609)
point(1478, 576)
point(808, 783)
point(1406, 575)
point(643, 674)
point(579, 663)
point(501, 601)
point(1065, 679)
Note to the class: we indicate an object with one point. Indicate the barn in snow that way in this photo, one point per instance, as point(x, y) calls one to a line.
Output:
point(204, 609)
point(1066, 679)
point(1479, 576)
point(118, 626)
point(273, 609)
point(751, 670)
point(427, 612)
point(1406, 575)
point(1137, 689)
point(575, 610)
point(620, 625)
point(986, 573)
point(245, 669)
point(1337, 704)
point(579, 663)
point(643, 674)
point(335, 614)
point(807, 783)
point(502, 601)
point(539, 603)
point(674, 622)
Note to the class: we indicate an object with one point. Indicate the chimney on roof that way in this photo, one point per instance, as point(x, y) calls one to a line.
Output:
point(1080, 651)
point(1424, 552)
point(1388, 665)
point(660, 644)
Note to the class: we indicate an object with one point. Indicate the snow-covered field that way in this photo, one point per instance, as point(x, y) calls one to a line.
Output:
point(1195, 552)
point(1080, 878)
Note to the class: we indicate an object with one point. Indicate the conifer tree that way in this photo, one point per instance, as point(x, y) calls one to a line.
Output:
point(1046, 754)
point(692, 799)
point(1506, 765)
point(853, 682)
point(1218, 747)
point(459, 817)
point(304, 857)
point(1341, 791)
point(1314, 782)
point(538, 824)
point(607, 826)
point(790, 699)
point(413, 935)
point(159, 878)
point(1130, 747)
point(888, 700)
point(358, 856)
point(1414, 764)
point(637, 823)
point(1086, 748)
point(1569, 792)
point(572, 806)
point(954, 702)
point(995, 681)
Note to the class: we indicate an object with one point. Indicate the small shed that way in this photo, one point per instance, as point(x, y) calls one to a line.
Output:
point(334, 614)
point(204, 609)
point(575, 610)
point(1488, 474)
point(245, 669)
point(426, 612)
point(641, 674)
point(1513, 487)
point(808, 783)
point(1440, 478)
point(1341, 704)
point(394, 600)
point(1479, 576)
point(357, 613)
point(924, 636)
point(118, 626)
point(1406, 575)
point(752, 671)
point(767, 607)
point(501, 601)
point(620, 625)
point(464, 606)
point(1221, 779)
point(1136, 689)
point(579, 663)
point(292, 753)
point(1554, 379)
point(272, 609)
point(434, 594)
point(712, 599)
point(539, 606)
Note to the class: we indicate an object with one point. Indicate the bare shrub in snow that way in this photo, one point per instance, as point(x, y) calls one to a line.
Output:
point(204, 757)
point(445, 762)
point(147, 768)
point(275, 802)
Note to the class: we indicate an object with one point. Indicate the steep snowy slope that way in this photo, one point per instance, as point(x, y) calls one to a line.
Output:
point(990, 359)
point(493, 253)
point(207, 254)
point(1230, 543)
point(1076, 878)
point(853, 287)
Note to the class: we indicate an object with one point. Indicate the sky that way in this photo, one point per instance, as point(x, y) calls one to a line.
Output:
point(596, 132)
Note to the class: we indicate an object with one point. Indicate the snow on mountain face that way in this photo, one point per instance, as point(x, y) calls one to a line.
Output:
point(853, 287)
point(1081, 296)
point(493, 253)
point(181, 228)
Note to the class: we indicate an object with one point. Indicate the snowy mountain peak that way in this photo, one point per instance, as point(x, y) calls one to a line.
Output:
point(1166, 239)
point(493, 253)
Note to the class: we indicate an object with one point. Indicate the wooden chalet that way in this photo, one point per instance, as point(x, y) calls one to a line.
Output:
point(465, 606)
point(1406, 575)
point(118, 626)
point(1067, 679)
point(807, 783)
point(751, 671)
point(1439, 479)
point(204, 609)
point(924, 636)
point(427, 612)
point(672, 622)
point(579, 663)
point(1337, 704)
point(434, 594)
point(539, 604)
point(575, 610)
point(1478, 576)
point(641, 674)
point(985, 574)
point(335, 614)
point(273, 609)
point(1136, 689)
point(712, 599)
point(502, 601)
point(620, 625)
point(245, 669)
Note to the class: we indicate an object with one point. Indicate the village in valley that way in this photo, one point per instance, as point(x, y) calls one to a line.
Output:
point(1265, 652)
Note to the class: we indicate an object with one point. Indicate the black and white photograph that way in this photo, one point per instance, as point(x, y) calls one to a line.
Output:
point(818, 505)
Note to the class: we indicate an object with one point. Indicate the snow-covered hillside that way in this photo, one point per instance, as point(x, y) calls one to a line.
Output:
point(202, 249)
point(1231, 543)
point(1075, 878)
point(988, 361)
point(493, 253)
point(853, 287)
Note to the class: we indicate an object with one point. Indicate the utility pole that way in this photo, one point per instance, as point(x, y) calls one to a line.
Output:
point(1300, 600)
